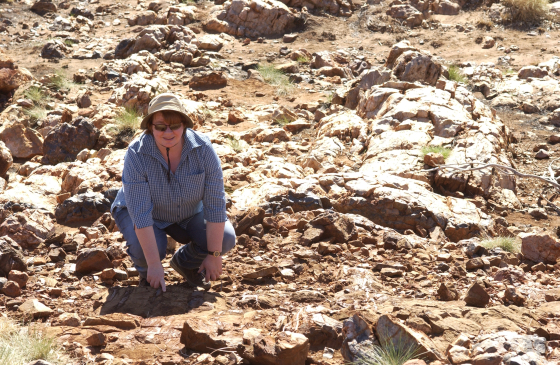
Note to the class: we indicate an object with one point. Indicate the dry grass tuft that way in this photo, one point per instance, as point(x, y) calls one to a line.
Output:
point(508, 244)
point(276, 78)
point(526, 11)
point(22, 344)
point(444, 151)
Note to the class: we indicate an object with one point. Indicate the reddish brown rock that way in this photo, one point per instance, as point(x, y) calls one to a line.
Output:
point(19, 277)
point(477, 296)
point(11, 289)
point(92, 260)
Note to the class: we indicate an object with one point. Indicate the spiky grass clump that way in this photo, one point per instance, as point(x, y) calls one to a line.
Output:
point(444, 151)
point(525, 11)
point(235, 144)
point(36, 95)
point(455, 74)
point(60, 81)
point(20, 345)
point(282, 120)
point(277, 78)
point(36, 113)
point(508, 244)
point(303, 59)
point(388, 354)
point(69, 42)
point(127, 120)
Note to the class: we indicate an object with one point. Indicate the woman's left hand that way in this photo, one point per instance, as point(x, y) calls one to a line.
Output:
point(213, 267)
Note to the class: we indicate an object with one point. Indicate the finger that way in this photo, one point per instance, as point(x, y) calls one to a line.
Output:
point(156, 284)
point(202, 267)
point(162, 282)
point(207, 276)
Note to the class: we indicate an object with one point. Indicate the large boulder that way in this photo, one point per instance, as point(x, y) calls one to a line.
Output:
point(65, 141)
point(82, 207)
point(28, 228)
point(22, 141)
point(244, 18)
point(540, 247)
point(407, 13)
point(414, 66)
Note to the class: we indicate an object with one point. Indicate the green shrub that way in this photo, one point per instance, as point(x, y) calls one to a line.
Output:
point(20, 345)
point(303, 59)
point(69, 42)
point(444, 151)
point(525, 11)
point(277, 78)
point(455, 74)
point(508, 244)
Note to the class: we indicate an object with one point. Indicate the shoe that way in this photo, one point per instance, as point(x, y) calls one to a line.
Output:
point(191, 276)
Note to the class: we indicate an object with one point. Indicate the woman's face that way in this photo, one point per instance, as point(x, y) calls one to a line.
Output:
point(169, 137)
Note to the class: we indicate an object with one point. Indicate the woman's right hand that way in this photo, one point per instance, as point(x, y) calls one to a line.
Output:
point(156, 276)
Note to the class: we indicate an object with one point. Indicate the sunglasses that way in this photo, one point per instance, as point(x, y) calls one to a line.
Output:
point(163, 127)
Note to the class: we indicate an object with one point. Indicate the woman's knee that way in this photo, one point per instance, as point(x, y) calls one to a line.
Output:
point(229, 238)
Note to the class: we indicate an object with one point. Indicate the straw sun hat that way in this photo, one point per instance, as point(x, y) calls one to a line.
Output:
point(166, 101)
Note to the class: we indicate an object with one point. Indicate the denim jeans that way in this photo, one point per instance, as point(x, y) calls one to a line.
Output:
point(189, 256)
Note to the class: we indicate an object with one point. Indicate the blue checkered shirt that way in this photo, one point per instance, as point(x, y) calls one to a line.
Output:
point(197, 184)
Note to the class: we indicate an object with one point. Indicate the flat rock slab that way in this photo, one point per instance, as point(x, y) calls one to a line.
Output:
point(149, 302)
point(35, 309)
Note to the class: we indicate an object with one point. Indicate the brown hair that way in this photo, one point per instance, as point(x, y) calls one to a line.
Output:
point(169, 116)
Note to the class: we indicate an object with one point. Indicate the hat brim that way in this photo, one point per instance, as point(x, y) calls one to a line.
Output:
point(144, 124)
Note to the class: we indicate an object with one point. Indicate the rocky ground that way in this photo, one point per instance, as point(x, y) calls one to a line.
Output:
point(344, 239)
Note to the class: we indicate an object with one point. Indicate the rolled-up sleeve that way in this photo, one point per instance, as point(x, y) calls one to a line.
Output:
point(137, 191)
point(214, 200)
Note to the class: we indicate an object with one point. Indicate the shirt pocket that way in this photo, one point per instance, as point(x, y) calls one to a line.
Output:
point(192, 187)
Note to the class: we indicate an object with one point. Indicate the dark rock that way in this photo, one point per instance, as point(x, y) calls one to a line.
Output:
point(92, 260)
point(395, 241)
point(86, 13)
point(414, 66)
point(513, 297)
point(11, 256)
point(447, 292)
point(299, 202)
point(322, 331)
point(53, 49)
point(477, 296)
point(253, 217)
point(57, 254)
point(82, 207)
point(43, 7)
point(338, 226)
point(65, 141)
